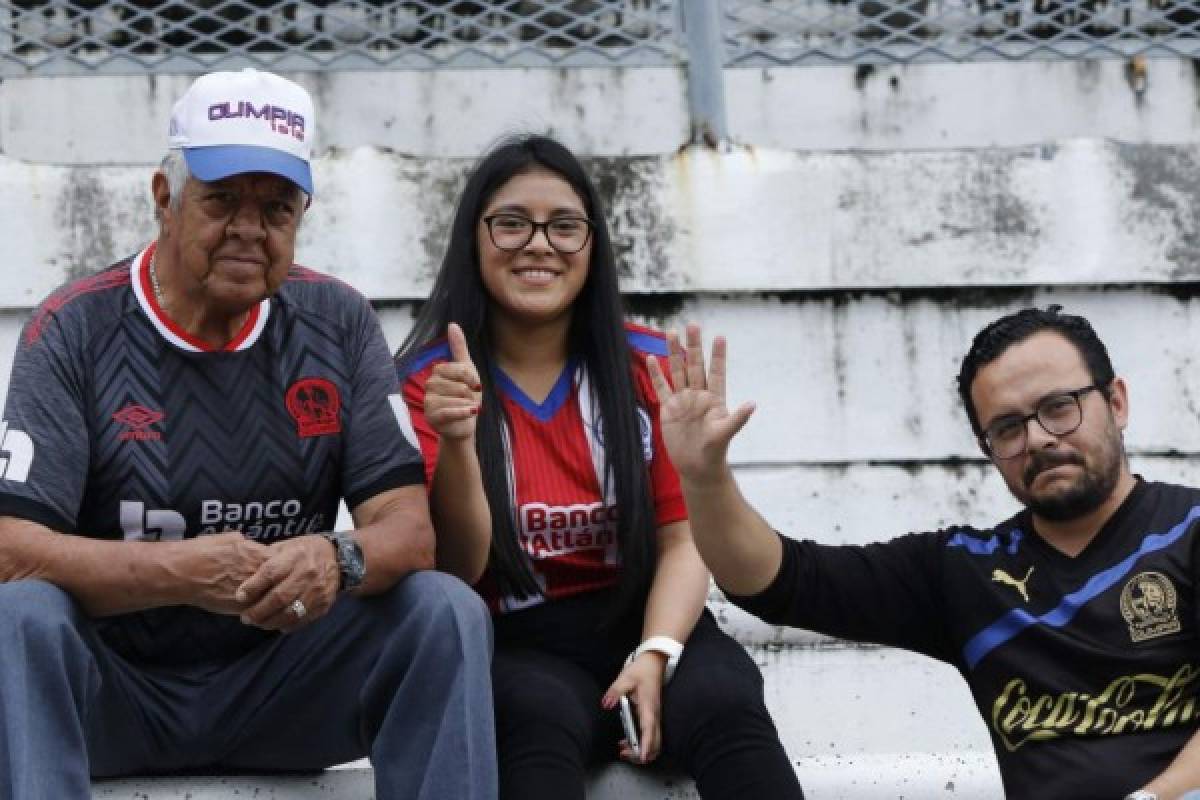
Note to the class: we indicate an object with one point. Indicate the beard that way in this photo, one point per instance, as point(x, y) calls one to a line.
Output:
point(1094, 485)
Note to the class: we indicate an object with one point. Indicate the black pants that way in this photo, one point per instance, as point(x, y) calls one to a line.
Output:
point(550, 671)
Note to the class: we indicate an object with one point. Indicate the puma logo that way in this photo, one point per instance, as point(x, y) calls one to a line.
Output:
point(1000, 576)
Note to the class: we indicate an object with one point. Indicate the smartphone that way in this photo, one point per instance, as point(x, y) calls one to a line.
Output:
point(630, 724)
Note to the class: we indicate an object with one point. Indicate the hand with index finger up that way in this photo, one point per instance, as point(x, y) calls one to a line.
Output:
point(453, 392)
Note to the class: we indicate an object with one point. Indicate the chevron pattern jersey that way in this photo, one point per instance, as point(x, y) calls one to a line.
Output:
point(136, 432)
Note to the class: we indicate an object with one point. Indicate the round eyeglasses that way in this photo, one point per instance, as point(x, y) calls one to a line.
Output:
point(1058, 414)
point(512, 232)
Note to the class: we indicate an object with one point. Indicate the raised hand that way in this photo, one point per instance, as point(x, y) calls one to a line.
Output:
point(696, 424)
point(453, 392)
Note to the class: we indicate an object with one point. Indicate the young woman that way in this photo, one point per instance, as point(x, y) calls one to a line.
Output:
point(552, 493)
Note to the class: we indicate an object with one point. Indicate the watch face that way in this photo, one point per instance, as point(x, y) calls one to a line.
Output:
point(353, 567)
point(350, 560)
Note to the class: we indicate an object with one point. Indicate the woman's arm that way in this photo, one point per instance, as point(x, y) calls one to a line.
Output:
point(461, 515)
point(679, 589)
point(457, 501)
point(676, 599)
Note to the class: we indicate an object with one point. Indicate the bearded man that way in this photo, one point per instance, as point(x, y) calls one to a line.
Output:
point(1075, 623)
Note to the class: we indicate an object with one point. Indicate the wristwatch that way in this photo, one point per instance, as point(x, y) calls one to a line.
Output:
point(1141, 794)
point(661, 644)
point(351, 566)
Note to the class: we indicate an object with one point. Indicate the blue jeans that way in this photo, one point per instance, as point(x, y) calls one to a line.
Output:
point(402, 677)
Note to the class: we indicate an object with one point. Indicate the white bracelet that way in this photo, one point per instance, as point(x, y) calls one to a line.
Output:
point(660, 644)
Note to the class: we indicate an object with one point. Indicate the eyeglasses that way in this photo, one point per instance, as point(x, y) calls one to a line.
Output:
point(1058, 414)
point(511, 232)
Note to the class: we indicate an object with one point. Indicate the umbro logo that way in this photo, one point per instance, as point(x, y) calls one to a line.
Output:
point(137, 420)
point(16, 453)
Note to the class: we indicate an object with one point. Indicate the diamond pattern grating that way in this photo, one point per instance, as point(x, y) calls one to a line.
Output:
point(131, 36)
point(138, 36)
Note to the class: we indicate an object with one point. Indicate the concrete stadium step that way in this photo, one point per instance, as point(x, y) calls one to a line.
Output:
point(860, 723)
point(920, 776)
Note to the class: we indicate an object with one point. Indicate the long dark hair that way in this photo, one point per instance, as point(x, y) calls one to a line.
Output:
point(596, 338)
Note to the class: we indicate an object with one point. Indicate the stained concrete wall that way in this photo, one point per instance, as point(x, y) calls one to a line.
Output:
point(642, 110)
point(1078, 212)
point(863, 225)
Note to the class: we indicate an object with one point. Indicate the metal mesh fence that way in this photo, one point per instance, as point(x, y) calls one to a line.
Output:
point(133, 36)
point(760, 32)
point(64, 36)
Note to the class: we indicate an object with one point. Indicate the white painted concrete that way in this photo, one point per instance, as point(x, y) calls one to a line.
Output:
point(1079, 212)
point(974, 188)
point(438, 113)
point(873, 379)
point(638, 111)
point(943, 106)
point(885, 776)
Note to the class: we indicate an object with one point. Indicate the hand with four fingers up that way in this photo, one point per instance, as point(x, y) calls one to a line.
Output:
point(696, 424)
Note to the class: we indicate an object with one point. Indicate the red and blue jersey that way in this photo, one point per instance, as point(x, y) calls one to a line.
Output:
point(565, 520)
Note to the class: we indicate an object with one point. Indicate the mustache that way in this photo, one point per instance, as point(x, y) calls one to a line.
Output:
point(1042, 460)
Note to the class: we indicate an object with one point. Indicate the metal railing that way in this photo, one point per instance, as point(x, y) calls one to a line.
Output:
point(57, 36)
point(794, 32)
point(170, 36)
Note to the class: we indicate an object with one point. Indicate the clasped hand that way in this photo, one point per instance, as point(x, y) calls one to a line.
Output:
point(261, 583)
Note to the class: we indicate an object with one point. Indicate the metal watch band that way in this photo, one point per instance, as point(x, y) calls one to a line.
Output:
point(351, 567)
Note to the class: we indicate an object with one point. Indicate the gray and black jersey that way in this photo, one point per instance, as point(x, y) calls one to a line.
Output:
point(118, 425)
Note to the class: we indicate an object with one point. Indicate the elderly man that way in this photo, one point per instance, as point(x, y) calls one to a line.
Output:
point(180, 427)
point(1075, 622)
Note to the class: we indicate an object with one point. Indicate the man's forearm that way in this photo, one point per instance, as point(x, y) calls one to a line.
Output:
point(396, 537)
point(105, 577)
point(1182, 775)
point(740, 548)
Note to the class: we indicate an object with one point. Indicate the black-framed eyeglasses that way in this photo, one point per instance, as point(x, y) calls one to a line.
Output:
point(511, 232)
point(1058, 414)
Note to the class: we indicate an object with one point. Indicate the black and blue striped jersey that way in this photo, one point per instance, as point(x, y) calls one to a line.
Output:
point(136, 431)
point(1085, 669)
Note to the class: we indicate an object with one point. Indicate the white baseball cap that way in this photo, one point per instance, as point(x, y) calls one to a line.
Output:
point(228, 123)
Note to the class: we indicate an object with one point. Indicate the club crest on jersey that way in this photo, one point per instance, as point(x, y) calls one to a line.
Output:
point(314, 404)
point(644, 428)
point(137, 420)
point(1149, 605)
